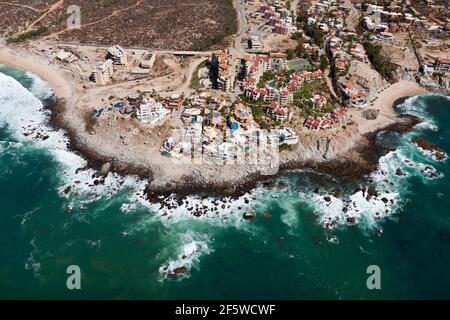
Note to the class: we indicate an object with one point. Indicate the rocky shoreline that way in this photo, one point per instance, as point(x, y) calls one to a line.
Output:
point(346, 168)
point(438, 153)
point(94, 159)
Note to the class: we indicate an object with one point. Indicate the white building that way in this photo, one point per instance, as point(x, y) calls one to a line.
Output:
point(288, 136)
point(442, 64)
point(148, 59)
point(103, 73)
point(256, 42)
point(152, 112)
point(118, 55)
point(66, 56)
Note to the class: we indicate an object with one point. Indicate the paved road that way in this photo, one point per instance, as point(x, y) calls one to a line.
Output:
point(294, 8)
point(238, 48)
point(353, 17)
point(162, 51)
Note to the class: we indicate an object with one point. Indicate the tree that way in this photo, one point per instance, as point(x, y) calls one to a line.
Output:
point(314, 57)
point(381, 64)
point(243, 71)
point(323, 62)
point(300, 50)
point(316, 34)
point(289, 54)
point(214, 71)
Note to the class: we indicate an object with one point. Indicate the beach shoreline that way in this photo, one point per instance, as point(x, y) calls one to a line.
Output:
point(17, 60)
point(360, 159)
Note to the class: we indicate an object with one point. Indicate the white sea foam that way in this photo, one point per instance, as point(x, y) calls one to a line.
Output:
point(27, 120)
point(365, 207)
point(416, 106)
point(390, 187)
point(211, 210)
point(429, 172)
point(31, 263)
point(429, 154)
point(40, 88)
point(192, 245)
point(427, 125)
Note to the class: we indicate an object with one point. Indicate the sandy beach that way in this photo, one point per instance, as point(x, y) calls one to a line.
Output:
point(19, 59)
point(385, 105)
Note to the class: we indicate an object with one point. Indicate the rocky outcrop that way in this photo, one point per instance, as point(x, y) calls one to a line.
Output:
point(104, 170)
point(437, 152)
point(370, 114)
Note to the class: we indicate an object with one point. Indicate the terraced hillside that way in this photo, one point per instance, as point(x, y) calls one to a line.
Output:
point(174, 24)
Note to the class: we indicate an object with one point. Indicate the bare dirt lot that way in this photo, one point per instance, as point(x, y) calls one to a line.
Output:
point(167, 24)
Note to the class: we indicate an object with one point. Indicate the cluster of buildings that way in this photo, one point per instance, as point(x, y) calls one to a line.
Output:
point(282, 96)
point(260, 64)
point(441, 64)
point(147, 108)
point(279, 113)
point(338, 117)
point(104, 71)
point(227, 70)
point(338, 55)
point(228, 135)
point(359, 53)
point(391, 19)
point(279, 96)
point(354, 95)
point(278, 17)
point(324, 13)
point(232, 143)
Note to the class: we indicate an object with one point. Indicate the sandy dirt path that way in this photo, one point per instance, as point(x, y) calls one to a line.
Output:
point(21, 6)
point(52, 8)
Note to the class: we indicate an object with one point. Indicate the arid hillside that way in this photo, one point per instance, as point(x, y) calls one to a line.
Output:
point(169, 24)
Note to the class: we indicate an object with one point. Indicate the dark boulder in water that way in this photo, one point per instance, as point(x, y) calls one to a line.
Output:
point(249, 216)
point(267, 214)
point(336, 193)
point(351, 221)
point(281, 185)
point(178, 272)
point(372, 191)
point(268, 185)
point(67, 190)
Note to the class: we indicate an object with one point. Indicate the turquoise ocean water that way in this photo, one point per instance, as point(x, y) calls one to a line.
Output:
point(52, 217)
